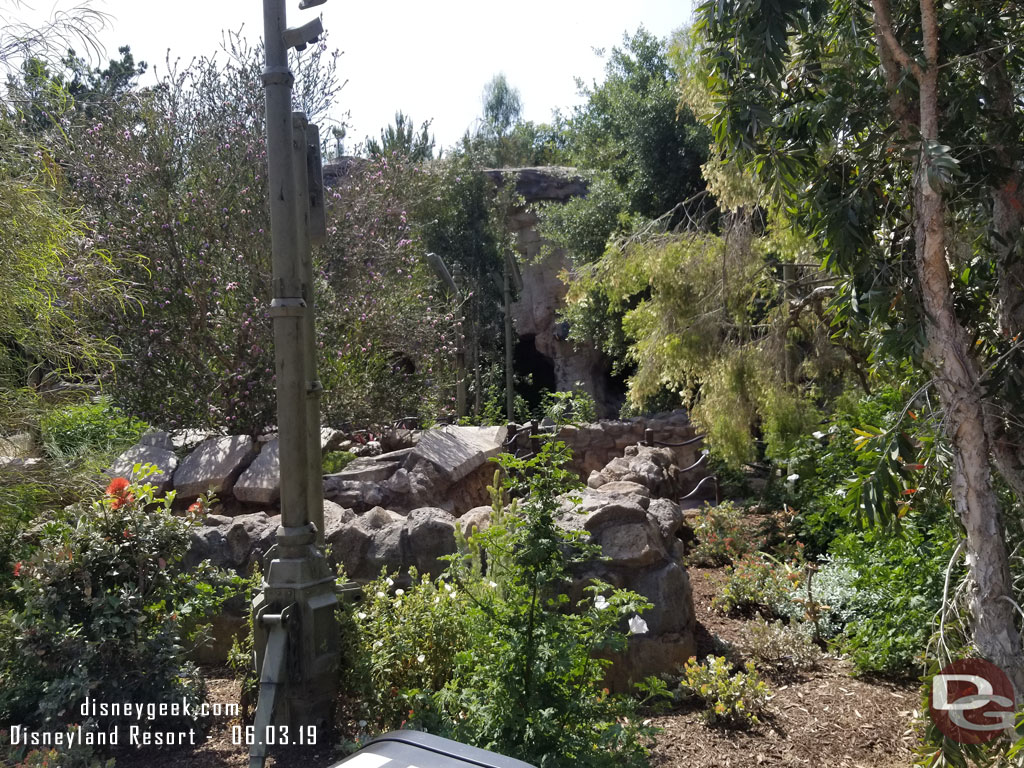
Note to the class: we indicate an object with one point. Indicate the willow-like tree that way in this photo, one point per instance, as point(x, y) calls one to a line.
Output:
point(891, 131)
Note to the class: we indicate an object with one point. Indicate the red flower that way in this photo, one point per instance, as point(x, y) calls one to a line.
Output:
point(17, 569)
point(196, 507)
point(118, 491)
point(117, 487)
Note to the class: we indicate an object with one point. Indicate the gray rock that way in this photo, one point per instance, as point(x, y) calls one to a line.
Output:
point(348, 544)
point(369, 469)
point(157, 439)
point(20, 465)
point(247, 535)
point(336, 516)
point(626, 487)
point(430, 533)
point(615, 513)
point(214, 465)
point(669, 589)
point(355, 494)
point(668, 514)
point(596, 479)
point(457, 451)
point(260, 483)
point(632, 545)
point(165, 461)
point(399, 483)
point(377, 518)
point(476, 519)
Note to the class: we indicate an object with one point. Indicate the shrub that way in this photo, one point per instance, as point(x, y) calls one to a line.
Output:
point(728, 698)
point(573, 407)
point(103, 609)
point(335, 461)
point(723, 535)
point(781, 646)
point(91, 427)
point(758, 582)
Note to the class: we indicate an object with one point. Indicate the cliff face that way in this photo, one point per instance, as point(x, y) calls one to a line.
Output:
point(535, 313)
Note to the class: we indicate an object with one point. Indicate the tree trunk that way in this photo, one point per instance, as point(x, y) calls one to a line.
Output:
point(957, 379)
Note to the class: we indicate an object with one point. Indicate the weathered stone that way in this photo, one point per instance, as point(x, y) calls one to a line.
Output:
point(646, 656)
point(369, 469)
point(260, 483)
point(632, 545)
point(384, 552)
point(476, 519)
point(215, 520)
point(20, 465)
point(157, 439)
point(668, 514)
point(207, 543)
point(348, 544)
point(399, 483)
point(430, 533)
point(668, 588)
point(457, 451)
point(354, 494)
point(615, 513)
point(626, 487)
point(596, 479)
point(247, 535)
point(165, 462)
point(335, 516)
point(214, 465)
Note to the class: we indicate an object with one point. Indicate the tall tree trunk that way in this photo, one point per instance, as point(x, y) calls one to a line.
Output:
point(957, 379)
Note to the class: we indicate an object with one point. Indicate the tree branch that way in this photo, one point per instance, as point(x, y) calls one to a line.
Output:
point(884, 28)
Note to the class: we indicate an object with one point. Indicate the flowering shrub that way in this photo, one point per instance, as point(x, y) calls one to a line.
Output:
point(723, 535)
point(104, 608)
point(728, 698)
point(758, 582)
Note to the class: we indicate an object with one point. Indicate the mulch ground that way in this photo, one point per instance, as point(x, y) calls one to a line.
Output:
point(816, 718)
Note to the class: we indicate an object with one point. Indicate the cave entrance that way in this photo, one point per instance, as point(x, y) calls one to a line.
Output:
point(535, 372)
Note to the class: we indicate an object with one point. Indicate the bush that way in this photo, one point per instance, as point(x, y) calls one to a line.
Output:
point(781, 646)
point(91, 427)
point(758, 582)
point(728, 698)
point(335, 461)
point(723, 535)
point(103, 609)
point(573, 407)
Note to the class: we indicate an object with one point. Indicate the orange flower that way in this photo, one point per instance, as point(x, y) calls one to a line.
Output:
point(196, 507)
point(17, 569)
point(118, 491)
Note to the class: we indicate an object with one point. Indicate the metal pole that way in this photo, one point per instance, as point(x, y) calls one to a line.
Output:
point(301, 136)
point(510, 395)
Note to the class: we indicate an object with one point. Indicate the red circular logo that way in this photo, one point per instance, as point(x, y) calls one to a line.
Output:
point(972, 701)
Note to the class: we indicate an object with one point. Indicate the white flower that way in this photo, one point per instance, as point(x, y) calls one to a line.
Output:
point(390, 582)
point(793, 478)
point(492, 584)
point(637, 626)
point(600, 602)
point(381, 594)
point(421, 658)
point(447, 587)
point(399, 592)
point(361, 615)
point(437, 598)
point(454, 593)
point(818, 435)
point(378, 643)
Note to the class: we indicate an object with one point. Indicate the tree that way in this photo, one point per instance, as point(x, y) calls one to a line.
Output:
point(503, 106)
point(401, 138)
point(888, 132)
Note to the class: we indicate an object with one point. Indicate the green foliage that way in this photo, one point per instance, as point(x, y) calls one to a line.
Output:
point(729, 698)
point(90, 427)
point(242, 655)
point(104, 607)
point(575, 406)
point(494, 654)
point(335, 461)
point(784, 647)
point(758, 582)
point(723, 535)
point(402, 139)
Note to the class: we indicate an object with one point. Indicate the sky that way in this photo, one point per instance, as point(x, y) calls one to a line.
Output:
point(430, 60)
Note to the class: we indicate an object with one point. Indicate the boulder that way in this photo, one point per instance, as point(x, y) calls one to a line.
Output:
point(456, 451)
point(430, 533)
point(20, 445)
point(214, 465)
point(164, 460)
point(359, 495)
point(668, 588)
point(260, 483)
point(476, 519)
point(668, 514)
point(157, 439)
point(249, 535)
point(632, 545)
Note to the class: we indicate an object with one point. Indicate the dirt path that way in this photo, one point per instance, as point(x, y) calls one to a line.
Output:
point(822, 717)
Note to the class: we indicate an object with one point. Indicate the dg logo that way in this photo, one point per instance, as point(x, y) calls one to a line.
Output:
point(972, 701)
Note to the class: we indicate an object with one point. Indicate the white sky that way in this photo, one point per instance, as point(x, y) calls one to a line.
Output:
point(431, 60)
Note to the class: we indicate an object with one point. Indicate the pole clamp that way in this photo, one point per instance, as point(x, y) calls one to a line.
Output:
point(278, 76)
point(287, 307)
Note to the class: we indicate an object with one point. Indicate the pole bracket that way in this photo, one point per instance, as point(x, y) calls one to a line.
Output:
point(278, 76)
point(287, 307)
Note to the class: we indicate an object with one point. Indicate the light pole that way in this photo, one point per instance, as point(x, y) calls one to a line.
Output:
point(296, 634)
